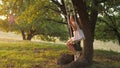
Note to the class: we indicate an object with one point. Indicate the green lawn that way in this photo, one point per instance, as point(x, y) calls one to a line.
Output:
point(25, 54)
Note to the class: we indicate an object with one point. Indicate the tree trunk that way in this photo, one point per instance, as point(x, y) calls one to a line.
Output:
point(87, 52)
point(30, 34)
point(23, 35)
point(119, 40)
point(29, 37)
point(117, 34)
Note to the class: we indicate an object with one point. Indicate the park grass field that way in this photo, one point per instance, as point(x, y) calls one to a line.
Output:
point(29, 54)
point(26, 54)
point(15, 53)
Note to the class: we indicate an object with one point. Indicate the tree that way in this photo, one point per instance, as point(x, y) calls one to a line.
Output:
point(33, 18)
point(80, 6)
point(88, 12)
point(108, 24)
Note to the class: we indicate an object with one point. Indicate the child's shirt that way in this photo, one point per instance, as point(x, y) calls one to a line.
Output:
point(78, 34)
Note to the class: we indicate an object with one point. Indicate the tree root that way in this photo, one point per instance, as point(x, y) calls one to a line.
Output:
point(67, 61)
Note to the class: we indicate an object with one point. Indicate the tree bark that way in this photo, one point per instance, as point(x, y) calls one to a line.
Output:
point(28, 35)
point(23, 35)
point(87, 52)
point(117, 34)
point(119, 40)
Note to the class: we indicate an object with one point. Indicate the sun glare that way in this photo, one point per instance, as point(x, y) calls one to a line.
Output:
point(0, 2)
point(2, 17)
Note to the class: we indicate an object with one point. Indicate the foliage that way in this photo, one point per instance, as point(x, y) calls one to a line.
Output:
point(31, 18)
point(108, 23)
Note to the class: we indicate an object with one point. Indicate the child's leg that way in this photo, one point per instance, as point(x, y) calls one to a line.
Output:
point(70, 46)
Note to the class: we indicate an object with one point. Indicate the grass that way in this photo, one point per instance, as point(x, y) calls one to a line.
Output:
point(25, 54)
point(106, 59)
point(29, 54)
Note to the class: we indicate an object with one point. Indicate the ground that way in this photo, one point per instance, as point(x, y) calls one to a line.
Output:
point(25, 54)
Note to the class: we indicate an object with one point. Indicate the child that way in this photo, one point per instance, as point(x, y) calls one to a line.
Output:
point(77, 36)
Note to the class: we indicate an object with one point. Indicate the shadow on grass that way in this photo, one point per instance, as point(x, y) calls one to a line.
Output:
point(102, 59)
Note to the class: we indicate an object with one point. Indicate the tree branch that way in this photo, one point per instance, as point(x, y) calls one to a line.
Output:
point(101, 1)
point(56, 2)
point(61, 6)
point(53, 20)
point(55, 10)
point(110, 19)
point(106, 23)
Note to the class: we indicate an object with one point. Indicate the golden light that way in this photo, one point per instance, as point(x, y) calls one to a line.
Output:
point(2, 17)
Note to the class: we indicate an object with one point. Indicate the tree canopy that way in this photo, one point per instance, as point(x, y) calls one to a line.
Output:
point(107, 28)
point(34, 17)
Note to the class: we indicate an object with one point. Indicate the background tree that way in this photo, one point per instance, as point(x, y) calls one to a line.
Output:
point(33, 18)
point(108, 24)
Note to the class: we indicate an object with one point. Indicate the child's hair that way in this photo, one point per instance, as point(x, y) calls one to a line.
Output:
point(72, 18)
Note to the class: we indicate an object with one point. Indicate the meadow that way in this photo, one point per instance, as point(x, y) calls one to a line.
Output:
point(32, 54)
point(27, 54)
